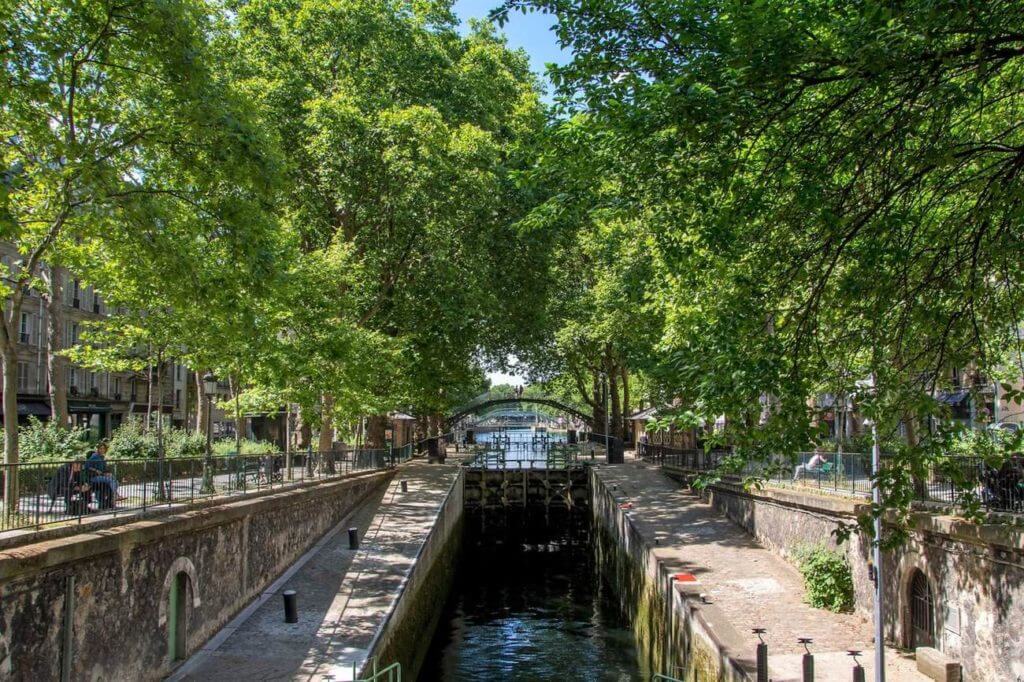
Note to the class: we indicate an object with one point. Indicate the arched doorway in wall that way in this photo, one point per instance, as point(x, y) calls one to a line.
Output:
point(922, 612)
point(177, 621)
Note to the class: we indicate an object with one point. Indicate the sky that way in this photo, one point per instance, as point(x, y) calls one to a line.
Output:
point(533, 33)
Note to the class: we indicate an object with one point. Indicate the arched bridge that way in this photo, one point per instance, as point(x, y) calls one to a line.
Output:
point(485, 405)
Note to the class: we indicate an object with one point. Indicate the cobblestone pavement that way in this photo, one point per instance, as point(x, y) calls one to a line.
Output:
point(752, 586)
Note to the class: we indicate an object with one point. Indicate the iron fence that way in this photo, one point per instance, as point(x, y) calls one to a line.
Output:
point(956, 480)
point(70, 491)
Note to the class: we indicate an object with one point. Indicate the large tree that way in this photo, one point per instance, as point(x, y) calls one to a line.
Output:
point(400, 138)
point(121, 145)
point(827, 189)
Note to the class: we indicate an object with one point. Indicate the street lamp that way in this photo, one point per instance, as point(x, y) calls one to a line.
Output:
point(209, 388)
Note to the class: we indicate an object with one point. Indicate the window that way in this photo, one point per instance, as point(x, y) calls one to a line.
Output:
point(922, 612)
point(956, 378)
point(97, 303)
point(117, 388)
point(24, 376)
point(177, 397)
point(73, 334)
point(72, 377)
point(26, 328)
point(76, 292)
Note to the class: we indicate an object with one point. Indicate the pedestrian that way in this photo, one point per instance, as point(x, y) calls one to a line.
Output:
point(96, 465)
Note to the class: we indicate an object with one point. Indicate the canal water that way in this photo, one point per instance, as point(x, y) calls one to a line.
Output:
point(528, 602)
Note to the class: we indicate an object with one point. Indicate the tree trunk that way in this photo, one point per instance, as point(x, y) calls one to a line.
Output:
point(160, 453)
point(326, 423)
point(625, 401)
point(376, 429)
point(613, 389)
point(202, 405)
point(55, 362)
point(149, 394)
point(233, 385)
point(600, 422)
point(303, 434)
point(9, 364)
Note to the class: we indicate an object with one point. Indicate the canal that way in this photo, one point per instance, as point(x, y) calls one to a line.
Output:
point(529, 602)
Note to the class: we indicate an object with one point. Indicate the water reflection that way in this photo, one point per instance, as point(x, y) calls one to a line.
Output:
point(529, 604)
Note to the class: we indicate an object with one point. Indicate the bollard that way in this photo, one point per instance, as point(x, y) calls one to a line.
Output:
point(762, 656)
point(858, 669)
point(808, 661)
point(405, 486)
point(291, 609)
point(353, 538)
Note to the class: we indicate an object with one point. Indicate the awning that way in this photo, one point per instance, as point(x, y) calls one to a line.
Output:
point(402, 417)
point(75, 407)
point(952, 397)
point(33, 408)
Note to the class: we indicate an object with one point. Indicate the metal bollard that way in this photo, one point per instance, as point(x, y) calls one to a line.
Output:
point(762, 655)
point(405, 486)
point(291, 609)
point(353, 538)
point(808, 661)
point(858, 669)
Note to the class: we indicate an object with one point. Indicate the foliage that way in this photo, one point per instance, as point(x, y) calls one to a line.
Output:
point(249, 447)
point(44, 441)
point(820, 191)
point(132, 441)
point(827, 578)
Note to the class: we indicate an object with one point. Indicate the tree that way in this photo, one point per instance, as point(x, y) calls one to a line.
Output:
point(119, 140)
point(826, 189)
point(401, 138)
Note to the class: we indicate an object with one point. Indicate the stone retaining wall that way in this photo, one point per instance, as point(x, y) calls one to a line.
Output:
point(976, 572)
point(676, 634)
point(123, 577)
point(405, 635)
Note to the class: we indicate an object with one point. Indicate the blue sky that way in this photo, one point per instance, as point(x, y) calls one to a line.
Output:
point(532, 32)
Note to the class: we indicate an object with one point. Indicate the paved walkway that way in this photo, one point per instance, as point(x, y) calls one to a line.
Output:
point(750, 585)
point(343, 595)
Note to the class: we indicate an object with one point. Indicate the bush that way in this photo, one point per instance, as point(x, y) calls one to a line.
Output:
point(827, 578)
point(40, 441)
point(249, 447)
point(129, 441)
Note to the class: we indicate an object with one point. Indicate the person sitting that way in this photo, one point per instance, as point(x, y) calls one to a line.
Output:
point(96, 467)
point(70, 483)
point(815, 464)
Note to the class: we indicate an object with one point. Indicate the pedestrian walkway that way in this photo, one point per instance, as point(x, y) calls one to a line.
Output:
point(748, 584)
point(344, 596)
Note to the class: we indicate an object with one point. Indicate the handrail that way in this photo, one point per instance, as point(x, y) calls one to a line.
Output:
point(392, 673)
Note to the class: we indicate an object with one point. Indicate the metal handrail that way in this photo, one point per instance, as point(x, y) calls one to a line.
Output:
point(51, 492)
point(392, 673)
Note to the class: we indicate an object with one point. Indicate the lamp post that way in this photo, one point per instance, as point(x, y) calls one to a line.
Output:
point(209, 388)
point(876, 550)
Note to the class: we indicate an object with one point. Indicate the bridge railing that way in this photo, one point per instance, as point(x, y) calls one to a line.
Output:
point(73, 490)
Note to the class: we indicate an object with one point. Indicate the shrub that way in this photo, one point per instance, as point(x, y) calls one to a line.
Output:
point(827, 578)
point(40, 441)
point(129, 441)
point(249, 447)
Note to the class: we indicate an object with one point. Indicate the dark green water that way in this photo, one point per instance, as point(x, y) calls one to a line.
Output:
point(528, 603)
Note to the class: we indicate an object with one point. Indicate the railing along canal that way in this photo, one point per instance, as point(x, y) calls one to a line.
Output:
point(69, 491)
point(548, 456)
point(957, 480)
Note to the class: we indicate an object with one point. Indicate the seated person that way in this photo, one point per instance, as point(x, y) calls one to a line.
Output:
point(815, 464)
point(71, 483)
point(96, 466)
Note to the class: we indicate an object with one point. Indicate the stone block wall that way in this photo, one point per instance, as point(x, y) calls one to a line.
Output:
point(123, 578)
point(675, 634)
point(975, 572)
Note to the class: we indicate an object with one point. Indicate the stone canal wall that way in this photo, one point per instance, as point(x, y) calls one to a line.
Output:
point(975, 573)
point(676, 634)
point(146, 594)
point(413, 614)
